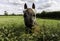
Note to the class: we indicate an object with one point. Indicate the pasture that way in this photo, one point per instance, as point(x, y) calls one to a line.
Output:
point(12, 28)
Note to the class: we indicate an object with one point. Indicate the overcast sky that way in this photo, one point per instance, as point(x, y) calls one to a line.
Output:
point(17, 6)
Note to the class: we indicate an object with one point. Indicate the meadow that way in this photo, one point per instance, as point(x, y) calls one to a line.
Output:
point(12, 28)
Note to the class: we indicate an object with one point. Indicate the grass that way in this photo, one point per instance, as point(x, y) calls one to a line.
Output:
point(12, 29)
point(9, 20)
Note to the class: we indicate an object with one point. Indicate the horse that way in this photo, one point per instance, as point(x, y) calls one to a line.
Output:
point(29, 17)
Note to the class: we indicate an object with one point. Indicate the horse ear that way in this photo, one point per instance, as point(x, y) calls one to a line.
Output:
point(33, 6)
point(25, 6)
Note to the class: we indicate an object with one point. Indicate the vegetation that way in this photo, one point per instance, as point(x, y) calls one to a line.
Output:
point(12, 28)
point(5, 13)
point(12, 14)
point(51, 15)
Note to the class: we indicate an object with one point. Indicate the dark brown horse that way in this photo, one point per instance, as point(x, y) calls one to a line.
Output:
point(29, 17)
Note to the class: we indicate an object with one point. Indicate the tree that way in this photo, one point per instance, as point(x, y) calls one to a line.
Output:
point(13, 14)
point(5, 13)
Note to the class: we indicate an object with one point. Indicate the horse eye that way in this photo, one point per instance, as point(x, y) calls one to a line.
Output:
point(34, 15)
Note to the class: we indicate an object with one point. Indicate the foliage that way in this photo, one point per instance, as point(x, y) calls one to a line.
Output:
point(12, 28)
point(12, 14)
point(44, 14)
point(5, 13)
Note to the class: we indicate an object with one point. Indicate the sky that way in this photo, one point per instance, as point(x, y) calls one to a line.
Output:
point(17, 6)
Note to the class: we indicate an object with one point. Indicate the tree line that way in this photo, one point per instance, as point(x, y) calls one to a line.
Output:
point(44, 14)
point(12, 14)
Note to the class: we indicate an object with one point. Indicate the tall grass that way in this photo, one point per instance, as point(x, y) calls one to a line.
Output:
point(12, 28)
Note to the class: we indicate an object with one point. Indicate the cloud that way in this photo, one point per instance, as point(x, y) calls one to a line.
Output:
point(51, 5)
point(46, 4)
point(54, 7)
point(17, 6)
point(11, 6)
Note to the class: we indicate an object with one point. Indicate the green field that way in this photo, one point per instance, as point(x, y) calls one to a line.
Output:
point(12, 28)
